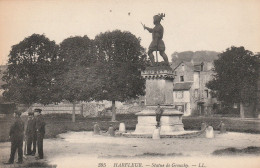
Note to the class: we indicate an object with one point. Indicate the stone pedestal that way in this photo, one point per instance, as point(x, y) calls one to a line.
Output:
point(171, 121)
point(159, 90)
point(156, 134)
point(209, 132)
point(122, 127)
point(159, 85)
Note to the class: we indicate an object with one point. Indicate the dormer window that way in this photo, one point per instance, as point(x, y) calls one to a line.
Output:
point(182, 67)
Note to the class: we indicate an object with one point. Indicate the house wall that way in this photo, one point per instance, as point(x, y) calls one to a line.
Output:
point(183, 101)
point(196, 82)
point(198, 91)
point(183, 70)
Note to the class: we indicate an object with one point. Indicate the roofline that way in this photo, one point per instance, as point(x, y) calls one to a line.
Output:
point(178, 65)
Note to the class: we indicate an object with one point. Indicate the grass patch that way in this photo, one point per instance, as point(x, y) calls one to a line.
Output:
point(252, 150)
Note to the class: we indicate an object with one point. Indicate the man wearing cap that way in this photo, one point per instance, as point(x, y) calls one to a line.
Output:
point(40, 129)
point(16, 137)
point(158, 112)
point(31, 135)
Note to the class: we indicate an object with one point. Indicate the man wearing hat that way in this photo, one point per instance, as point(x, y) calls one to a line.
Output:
point(40, 130)
point(16, 137)
point(31, 135)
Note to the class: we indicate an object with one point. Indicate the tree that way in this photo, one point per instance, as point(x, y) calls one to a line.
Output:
point(121, 59)
point(235, 79)
point(30, 70)
point(76, 79)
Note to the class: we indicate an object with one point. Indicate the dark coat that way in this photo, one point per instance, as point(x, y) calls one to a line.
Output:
point(40, 124)
point(31, 127)
point(17, 129)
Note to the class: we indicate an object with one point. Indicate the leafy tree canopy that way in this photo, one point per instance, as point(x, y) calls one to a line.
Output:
point(236, 74)
point(29, 73)
point(122, 59)
point(76, 76)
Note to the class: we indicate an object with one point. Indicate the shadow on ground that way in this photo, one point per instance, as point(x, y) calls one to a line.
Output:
point(253, 150)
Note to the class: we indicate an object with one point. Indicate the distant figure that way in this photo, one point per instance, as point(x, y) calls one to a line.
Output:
point(158, 113)
point(203, 126)
point(40, 129)
point(222, 127)
point(31, 135)
point(96, 129)
point(16, 137)
point(157, 43)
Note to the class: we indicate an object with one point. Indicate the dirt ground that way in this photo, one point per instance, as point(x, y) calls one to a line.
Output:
point(83, 149)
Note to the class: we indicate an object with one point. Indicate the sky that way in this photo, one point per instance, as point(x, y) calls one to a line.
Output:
point(189, 25)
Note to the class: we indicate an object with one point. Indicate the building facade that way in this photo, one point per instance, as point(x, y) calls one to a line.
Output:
point(190, 93)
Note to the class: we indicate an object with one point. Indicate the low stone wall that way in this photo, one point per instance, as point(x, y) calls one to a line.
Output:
point(60, 108)
point(91, 109)
point(85, 108)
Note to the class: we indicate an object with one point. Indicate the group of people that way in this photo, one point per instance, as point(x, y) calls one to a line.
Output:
point(33, 134)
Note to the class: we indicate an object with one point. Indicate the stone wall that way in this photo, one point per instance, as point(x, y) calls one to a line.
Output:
point(86, 109)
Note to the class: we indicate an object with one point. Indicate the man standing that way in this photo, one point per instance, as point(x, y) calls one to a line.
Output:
point(158, 113)
point(40, 129)
point(31, 135)
point(16, 137)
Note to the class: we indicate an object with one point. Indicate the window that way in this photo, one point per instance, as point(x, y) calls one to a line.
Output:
point(182, 78)
point(182, 67)
point(196, 93)
point(179, 94)
point(206, 93)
